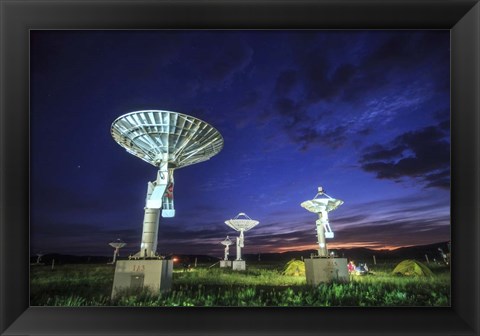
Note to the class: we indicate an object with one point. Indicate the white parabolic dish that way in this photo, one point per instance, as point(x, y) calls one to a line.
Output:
point(322, 204)
point(151, 134)
point(227, 242)
point(241, 224)
point(117, 244)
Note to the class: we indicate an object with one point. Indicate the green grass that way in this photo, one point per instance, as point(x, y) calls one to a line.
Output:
point(261, 285)
point(253, 276)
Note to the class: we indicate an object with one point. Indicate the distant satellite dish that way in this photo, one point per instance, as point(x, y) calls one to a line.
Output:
point(117, 245)
point(322, 204)
point(241, 223)
point(167, 140)
point(39, 257)
point(227, 242)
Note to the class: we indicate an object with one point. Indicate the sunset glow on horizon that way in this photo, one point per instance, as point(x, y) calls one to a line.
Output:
point(332, 246)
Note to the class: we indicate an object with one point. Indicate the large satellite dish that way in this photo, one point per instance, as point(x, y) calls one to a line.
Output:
point(167, 140)
point(322, 204)
point(156, 136)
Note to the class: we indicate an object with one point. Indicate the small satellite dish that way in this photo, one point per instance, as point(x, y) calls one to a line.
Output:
point(39, 257)
point(168, 141)
point(226, 242)
point(117, 245)
point(241, 223)
point(322, 204)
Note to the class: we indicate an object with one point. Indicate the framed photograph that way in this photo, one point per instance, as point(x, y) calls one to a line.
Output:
point(283, 112)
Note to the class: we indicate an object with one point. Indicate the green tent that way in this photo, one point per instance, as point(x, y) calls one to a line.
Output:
point(294, 268)
point(412, 268)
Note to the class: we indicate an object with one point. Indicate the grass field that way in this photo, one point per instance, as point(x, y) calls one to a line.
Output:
point(261, 285)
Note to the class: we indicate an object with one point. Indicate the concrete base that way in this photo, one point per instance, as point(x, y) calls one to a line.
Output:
point(153, 274)
point(239, 265)
point(321, 270)
point(225, 263)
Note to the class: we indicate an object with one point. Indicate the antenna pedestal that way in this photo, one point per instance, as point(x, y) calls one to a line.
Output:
point(115, 253)
point(324, 270)
point(240, 244)
point(225, 263)
point(153, 205)
point(225, 257)
point(148, 247)
point(323, 232)
point(322, 244)
point(156, 275)
point(239, 265)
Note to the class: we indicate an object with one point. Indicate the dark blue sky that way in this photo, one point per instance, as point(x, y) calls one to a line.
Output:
point(365, 114)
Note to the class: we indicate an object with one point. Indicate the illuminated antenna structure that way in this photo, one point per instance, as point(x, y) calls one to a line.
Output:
point(322, 204)
point(117, 245)
point(168, 141)
point(241, 223)
point(227, 242)
point(39, 257)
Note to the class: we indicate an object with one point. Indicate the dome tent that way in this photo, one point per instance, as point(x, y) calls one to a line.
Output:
point(411, 267)
point(294, 268)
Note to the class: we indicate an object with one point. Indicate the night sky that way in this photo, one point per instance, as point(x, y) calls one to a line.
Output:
point(365, 114)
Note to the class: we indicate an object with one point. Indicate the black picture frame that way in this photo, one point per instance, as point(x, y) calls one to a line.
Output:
point(17, 17)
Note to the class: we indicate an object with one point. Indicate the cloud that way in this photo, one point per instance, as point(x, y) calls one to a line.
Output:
point(337, 89)
point(319, 85)
point(423, 155)
point(396, 233)
point(378, 152)
point(234, 57)
point(216, 68)
point(334, 137)
point(443, 114)
point(440, 180)
point(307, 129)
point(224, 182)
point(249, 99)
